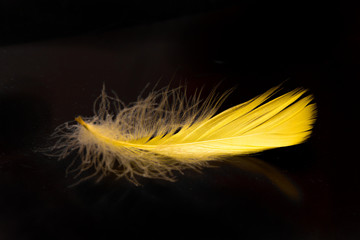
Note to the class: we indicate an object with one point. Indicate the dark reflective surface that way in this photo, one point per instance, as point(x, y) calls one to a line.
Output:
point(309, 191)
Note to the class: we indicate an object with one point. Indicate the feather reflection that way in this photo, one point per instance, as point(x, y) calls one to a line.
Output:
point(259, 167)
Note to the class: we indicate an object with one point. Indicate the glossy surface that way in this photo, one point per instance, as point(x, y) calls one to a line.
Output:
point(253, 46)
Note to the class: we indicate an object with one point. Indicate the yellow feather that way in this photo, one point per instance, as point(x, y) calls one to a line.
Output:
point(167, 131)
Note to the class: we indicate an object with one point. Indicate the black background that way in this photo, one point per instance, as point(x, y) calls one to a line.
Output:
point(56, 55)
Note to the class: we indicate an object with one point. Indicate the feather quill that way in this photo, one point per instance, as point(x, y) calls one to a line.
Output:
point(168, 131)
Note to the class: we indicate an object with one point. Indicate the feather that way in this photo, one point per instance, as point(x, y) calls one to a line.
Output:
point(168, 131)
